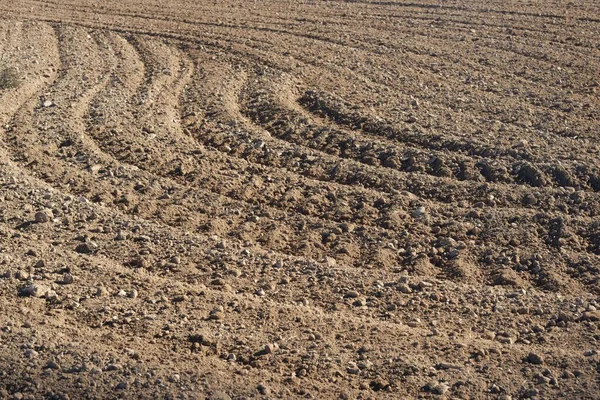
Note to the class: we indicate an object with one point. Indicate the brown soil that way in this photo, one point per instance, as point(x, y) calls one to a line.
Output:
point(300, 199)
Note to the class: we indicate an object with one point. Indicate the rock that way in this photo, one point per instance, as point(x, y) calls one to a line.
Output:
point(352, 368)
point(47, 103)
point(347, 227)
point(113, 367)
point(31, 353)
point(267, 349)
point(440, 388)
point(101, 291)
point(67, 279)
point(507, 277)
point(180, 298)
point(404, 288)
point(219, 395)
point(22, 275)
point(86, 248)
point(533, 358)
point(591, 316)
point(52, 365)
point(264, 390)
point(379, 384)
point(444, 365)
point(34, 290)
point(437, 387)
point(419, 212)
point(531, 393)
point(43, 216)
point(133, 294)
point(361, 302)
point(352, 294)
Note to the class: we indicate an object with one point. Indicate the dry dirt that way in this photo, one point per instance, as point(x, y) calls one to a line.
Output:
point(300, 199)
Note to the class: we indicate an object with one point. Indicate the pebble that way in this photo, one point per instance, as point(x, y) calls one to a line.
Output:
point(43, 216)
point(86, 248)
point(404, 288)
point(264, 390)
point(67, 279)
point(419, 212)
point(52, 365)
point(101, 291)
point(219, 395)
point(22, 275)
point(591, 316)
point(536, 359)
point(352, 368)
point(35, 290)
point(31, 353)
point(438, 387)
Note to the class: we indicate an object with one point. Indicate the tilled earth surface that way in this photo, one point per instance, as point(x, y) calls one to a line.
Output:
point(300, 199)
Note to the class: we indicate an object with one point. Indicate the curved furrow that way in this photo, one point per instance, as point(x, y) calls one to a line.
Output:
point(68, 160)
point(569, 172)
point(179, 162)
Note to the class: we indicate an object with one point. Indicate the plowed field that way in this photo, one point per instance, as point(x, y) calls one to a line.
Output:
point(299, 199)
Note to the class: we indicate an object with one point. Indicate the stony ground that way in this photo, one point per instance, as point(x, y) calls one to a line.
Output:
point(300, 199)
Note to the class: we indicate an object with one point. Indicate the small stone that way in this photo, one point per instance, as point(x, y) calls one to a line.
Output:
point(180, 299)
point(101, 291)
point(22, 275)
point(67, 279)
point(31, 353)
point(34, 291)
point(121, 386)
point(536, 359)
point(113, 367)
point(489, 335)
point(215, 315)
point(352, 368)
point(86, 248)
point(219, 395)
point(264, 390)
point(52, 365)
point(47, 103)
point(347, 227)
point(531, 392)
point(43, 216)
point(352, 294)
point(133, 294)
point(404, 288)
point(419, 212)
point(440, 388)
point(359, 302)
point(591, 316)
point(269, 348)
point(121, 235)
